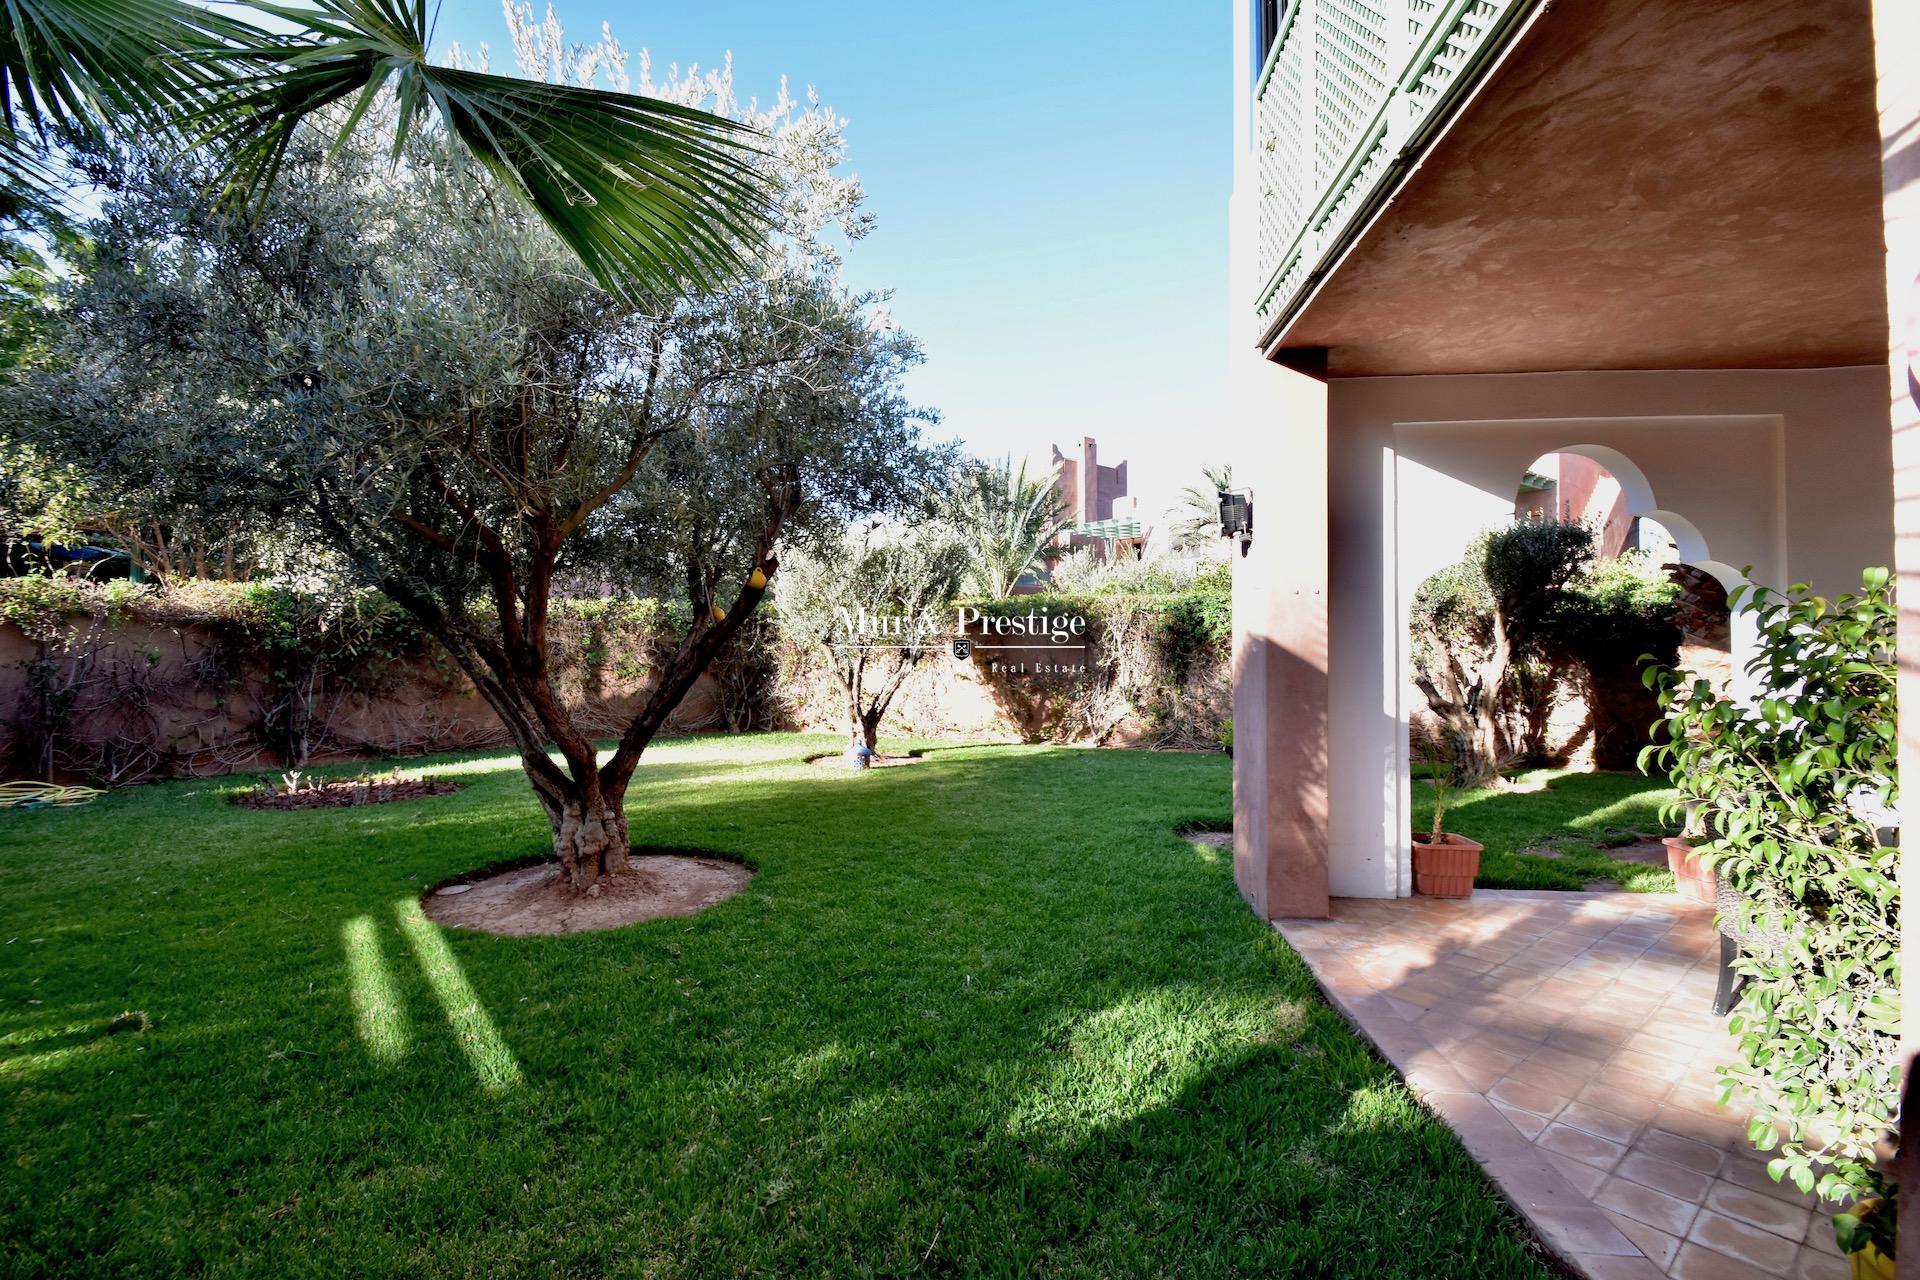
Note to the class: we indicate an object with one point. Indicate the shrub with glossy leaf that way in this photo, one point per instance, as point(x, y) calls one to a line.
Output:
point(1794, 788)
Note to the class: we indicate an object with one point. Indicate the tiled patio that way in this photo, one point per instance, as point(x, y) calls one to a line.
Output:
point(1569, 1040)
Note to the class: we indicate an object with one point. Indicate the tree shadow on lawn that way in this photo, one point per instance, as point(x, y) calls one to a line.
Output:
point(991, 1017)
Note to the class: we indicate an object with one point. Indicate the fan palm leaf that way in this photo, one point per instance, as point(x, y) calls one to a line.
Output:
point(651, 195)
point(74, 70)
point(1197, 521)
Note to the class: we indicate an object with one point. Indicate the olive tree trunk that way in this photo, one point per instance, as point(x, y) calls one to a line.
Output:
point(589, 837)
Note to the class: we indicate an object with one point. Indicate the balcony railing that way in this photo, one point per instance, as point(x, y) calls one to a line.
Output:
point(1350, 93)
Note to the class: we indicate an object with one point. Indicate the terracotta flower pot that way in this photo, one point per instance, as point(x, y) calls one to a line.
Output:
point(1445, 870)
point(1691, 876)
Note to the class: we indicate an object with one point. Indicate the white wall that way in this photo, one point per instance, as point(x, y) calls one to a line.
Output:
point(1786, 471)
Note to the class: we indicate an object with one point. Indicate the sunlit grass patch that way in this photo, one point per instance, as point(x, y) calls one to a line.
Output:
point(993, 1017)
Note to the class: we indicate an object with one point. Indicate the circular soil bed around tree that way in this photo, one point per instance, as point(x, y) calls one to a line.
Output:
point(838, 760)
point(345, 795)
point(526, 901)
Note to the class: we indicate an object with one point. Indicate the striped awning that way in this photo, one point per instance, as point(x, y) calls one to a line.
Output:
point(1109, 529)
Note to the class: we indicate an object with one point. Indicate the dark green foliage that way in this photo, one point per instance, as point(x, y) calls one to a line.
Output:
point(1605, 625)
point(932, 1037)
point(1623, 605)
point(1478, 619)
point(1792, 790)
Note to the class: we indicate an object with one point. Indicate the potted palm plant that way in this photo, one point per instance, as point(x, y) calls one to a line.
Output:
point(1444, 864)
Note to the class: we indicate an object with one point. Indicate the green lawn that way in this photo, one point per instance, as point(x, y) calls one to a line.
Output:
point(986, 1015)
point(1579, 814)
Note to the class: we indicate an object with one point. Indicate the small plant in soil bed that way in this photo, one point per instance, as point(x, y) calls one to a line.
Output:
point(297, 790)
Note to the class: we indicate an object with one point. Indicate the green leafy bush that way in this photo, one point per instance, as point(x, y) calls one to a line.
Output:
point(1793, 788)
point(1476, 623)
point(1603, 625)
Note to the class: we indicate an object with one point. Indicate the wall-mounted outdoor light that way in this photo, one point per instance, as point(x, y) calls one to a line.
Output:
point(1236, 516)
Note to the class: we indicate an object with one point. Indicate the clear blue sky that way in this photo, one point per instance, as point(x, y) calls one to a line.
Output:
point(1049, 179)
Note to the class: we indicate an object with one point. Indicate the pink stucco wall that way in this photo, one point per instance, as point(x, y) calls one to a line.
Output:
point(1583, 492)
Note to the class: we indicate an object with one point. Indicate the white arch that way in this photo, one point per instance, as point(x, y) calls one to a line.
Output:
point(1689, 544)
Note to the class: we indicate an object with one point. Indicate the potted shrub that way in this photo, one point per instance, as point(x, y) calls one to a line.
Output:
point(1793, 785)
point(1444, 864)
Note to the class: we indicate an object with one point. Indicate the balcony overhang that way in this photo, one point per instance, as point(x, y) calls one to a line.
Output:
point(1640, 184)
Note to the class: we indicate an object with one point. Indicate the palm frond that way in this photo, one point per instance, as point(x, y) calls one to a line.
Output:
point(80, 70)
point(1009, 522)
point(650, 194)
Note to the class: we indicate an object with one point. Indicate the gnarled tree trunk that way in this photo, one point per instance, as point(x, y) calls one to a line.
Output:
point(589, 837)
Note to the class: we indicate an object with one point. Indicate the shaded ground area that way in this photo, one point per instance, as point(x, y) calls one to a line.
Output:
point(534, 900)
point(1560, 829)
point(994, 1018)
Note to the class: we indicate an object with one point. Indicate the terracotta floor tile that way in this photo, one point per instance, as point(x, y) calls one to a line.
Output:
point(1820, 1234)
point(1529, 1124)
point(1696, 1263)
point(1643, 1204)
point(1540, 1076)
point(1589, 1148)
point(1659, 1068)
point(1769, 1213)
point(1604, 1124)
point(1623, 1102)
point(1675, 1180)
point(1723, 1130)
point(1750, 1245)
point(1811, 1264)
point(1576, 1065)
point(1588, 1037)
point(1568, 1040)
point(1616, 1076)
point(1680, 1150)
point(1658, 1245)
point(1582, 1177)
point(1529, 1097)
point(1660, 1047)
point(1747, 1169)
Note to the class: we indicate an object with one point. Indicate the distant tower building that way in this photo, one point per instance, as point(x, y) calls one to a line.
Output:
point(1096, 495)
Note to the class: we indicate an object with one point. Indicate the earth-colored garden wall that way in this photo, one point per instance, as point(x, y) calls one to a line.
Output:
point(125, 687)
point(1153, 671)
point(131, 688)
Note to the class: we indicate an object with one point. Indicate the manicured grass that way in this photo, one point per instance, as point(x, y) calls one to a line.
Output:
point(984, 1016)
point(1580, 814)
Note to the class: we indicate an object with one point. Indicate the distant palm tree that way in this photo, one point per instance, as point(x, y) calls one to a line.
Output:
point(1008, 521)
point(1197, 519)
point(650, 194)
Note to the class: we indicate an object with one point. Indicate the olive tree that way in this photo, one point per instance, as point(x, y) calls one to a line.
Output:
point(873, 604)
point(407, 369)
point(1474, 621)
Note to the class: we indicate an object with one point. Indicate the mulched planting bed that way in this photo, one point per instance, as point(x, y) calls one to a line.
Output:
point(346, 795)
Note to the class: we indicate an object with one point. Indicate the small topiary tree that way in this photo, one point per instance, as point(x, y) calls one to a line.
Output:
point(1792, 789)
point(874, 607)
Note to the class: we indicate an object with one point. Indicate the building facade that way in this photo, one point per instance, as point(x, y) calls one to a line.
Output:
point(1681, 240)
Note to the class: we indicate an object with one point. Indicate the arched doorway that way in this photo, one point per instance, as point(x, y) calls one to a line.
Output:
point(1444, 483)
